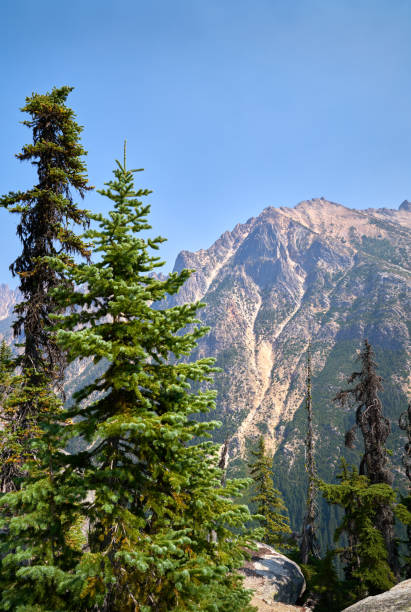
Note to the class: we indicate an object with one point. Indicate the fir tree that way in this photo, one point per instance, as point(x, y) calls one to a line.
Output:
point(375, 428)
point(308, 544)
point(324, 591)
point(47, 213)
point(365, 557)
point(141, 520)
point(403, 510)
point(268, 500)
point(41, 522)
point(6, 371)
point(47, 216)
point(7, 367)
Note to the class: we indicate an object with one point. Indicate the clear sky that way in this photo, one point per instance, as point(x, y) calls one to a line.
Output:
point(229, 105)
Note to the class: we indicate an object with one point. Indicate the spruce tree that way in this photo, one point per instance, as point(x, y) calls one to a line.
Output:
point(141, 520)
point(48, 215)
point(375, 428)
point(6, 372)
point(403, 510)
point(365, 557)
point(268, 500)
point(7, 379)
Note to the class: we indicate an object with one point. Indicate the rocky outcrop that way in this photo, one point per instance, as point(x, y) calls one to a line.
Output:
point(273, 576)
point(397, 599)
point(8, 299)
point(406, 205)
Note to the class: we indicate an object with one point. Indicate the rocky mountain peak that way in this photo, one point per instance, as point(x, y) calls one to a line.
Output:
point(8, 299)
point(406, 205)
point(319, 272)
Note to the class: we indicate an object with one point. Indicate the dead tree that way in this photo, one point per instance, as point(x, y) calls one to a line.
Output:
point(308, 544)
point(223, 461)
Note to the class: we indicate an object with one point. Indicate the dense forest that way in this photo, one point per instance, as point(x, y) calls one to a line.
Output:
point(142, 515)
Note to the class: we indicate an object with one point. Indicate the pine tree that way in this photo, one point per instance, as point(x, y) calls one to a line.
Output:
point(365, 557)
point(268, 500)
point(375, 428)
point(308, 544)
point(47, 216)
point(142, 521)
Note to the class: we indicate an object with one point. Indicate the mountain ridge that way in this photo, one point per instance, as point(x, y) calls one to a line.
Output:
point(270, 247)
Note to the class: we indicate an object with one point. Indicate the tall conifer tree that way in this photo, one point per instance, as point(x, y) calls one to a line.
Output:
point(365, 557)
point(268, 500)
point(404, 509)
point(7, 384)
point(142, 521)
point(308, 544)
point(375, 428)
point(48, 215)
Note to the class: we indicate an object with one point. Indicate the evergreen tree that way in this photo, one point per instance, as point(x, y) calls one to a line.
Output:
point(365, 557)
point(6, 372)
point(375, 428)
point(7, 367)
point(403, 510)
point(140, 518)
point(308, 544)
point(47, 213)
point(41, 522)
point(268, 500)
point(324, 591)
point(47, 216)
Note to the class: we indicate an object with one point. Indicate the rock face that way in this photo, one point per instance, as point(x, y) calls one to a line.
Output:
point(397, 599)
point(319, 273)
point(406, 205)
point(276, 607)
point(273, 576)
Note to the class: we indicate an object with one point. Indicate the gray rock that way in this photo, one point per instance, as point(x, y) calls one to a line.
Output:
point(397, 599)
point(273, 576)
point(406, 205)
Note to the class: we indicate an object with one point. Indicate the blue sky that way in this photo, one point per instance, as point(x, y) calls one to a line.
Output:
point(229, 105)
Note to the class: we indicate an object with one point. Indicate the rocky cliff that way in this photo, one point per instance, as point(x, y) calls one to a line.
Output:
point(319, 273)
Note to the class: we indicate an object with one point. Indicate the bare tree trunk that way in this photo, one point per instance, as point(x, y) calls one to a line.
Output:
point(308, 544)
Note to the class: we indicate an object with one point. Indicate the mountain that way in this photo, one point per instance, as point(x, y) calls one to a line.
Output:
point(317, 273)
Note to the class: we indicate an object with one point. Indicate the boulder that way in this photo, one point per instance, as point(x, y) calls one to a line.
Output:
point(272, 576)
point(397, 599)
